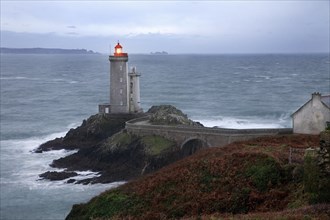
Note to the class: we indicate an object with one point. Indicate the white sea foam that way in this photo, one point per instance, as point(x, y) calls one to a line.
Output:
point(18, 78)
point(244, 122)
point(24, 173)
point(13, 78)
point(262, 76)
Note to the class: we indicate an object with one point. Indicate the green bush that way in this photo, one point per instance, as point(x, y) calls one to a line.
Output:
point(107, 205)
point(263, 173)
point(156, 144)
point(240, 200)
point(311, 173)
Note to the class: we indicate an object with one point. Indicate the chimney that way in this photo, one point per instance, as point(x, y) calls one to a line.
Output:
point(316, 98)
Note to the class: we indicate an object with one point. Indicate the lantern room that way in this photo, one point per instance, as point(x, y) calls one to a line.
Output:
point(119, 51)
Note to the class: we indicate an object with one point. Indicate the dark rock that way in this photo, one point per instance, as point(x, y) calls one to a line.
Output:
point(90, 133)
point(71, 181)
point(120, 158)
point(169, 115)
point(55, 144)
point(104, 146)
point(57, 175)
point(38, 151)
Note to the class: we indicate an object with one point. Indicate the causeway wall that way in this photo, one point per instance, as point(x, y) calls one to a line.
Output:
point(211, 137)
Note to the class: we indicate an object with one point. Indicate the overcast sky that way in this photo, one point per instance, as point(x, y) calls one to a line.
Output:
point(263, 26)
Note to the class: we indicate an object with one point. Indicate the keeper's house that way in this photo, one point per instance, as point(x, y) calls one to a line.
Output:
point(314, 116)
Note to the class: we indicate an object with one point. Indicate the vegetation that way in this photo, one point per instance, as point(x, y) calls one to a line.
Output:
point(119, 141)
point(170, 115)
point(155, 145)
point(264, 173)
point(247, 177)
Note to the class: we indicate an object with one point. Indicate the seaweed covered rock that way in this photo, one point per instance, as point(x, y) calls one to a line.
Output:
point(169, 115)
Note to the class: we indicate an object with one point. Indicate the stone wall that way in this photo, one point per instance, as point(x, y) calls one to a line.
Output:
point(214, 137)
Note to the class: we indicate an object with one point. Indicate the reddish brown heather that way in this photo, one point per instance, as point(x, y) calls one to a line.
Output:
point(243, 180)
point(213, 180)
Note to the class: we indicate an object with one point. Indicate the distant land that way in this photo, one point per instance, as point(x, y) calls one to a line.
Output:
point(45, 51)
point(159, 53)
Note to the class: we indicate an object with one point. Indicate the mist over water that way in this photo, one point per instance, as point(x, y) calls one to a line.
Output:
point(43, 96)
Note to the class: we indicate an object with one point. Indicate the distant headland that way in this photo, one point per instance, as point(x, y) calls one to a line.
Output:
point(44, 51)
point(159, 53)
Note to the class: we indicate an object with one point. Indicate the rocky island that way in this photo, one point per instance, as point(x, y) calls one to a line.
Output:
point(104, 146)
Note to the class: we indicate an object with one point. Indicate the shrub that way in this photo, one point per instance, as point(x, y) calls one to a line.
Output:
point(107, 205)
point(156, 144)
point(263, 173)
point(311, 173)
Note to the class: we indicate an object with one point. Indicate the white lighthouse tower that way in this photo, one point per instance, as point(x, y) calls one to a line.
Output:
point(124, 86)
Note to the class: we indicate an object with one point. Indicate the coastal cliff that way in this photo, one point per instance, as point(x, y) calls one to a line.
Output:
point(104, 146)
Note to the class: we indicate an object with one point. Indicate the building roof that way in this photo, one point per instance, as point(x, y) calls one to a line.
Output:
point(325, 100)
point(118, 45)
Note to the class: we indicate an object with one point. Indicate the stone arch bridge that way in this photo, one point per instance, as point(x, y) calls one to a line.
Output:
point(193, 138)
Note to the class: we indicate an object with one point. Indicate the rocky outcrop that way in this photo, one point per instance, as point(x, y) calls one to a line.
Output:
point(57, 175)
point(169, 115)
point(91, 132)
point(122, 157)
point(105, 147)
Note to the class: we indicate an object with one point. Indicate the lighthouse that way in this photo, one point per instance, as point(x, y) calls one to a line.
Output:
point(124, 86)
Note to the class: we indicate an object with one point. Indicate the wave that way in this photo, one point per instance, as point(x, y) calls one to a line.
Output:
point(245, 67)
point(57, 80)
point(262, 76)
point(29, 144)
point(65, 80)
point(20, 167)
point(246, 122)
point(18, 78)
point(13, 78)
point(20, 164)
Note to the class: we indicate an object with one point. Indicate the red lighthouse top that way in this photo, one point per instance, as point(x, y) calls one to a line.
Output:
point(118, 51)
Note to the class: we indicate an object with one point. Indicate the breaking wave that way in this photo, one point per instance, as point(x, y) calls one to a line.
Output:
point(246, 122)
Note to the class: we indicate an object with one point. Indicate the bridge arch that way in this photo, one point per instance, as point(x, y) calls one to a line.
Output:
point(193, 144)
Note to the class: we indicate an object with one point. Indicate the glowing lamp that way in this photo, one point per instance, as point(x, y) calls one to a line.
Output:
point(118, 49)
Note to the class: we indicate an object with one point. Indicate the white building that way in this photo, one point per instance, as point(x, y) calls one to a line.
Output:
point(124, 86)
point(313, 116)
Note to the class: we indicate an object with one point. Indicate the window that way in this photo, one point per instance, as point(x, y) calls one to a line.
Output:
point(121, 91)
point(121, 102)
point(121, 68)
point(121, 79)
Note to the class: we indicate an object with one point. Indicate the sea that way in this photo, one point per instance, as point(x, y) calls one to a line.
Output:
point(43, 96)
